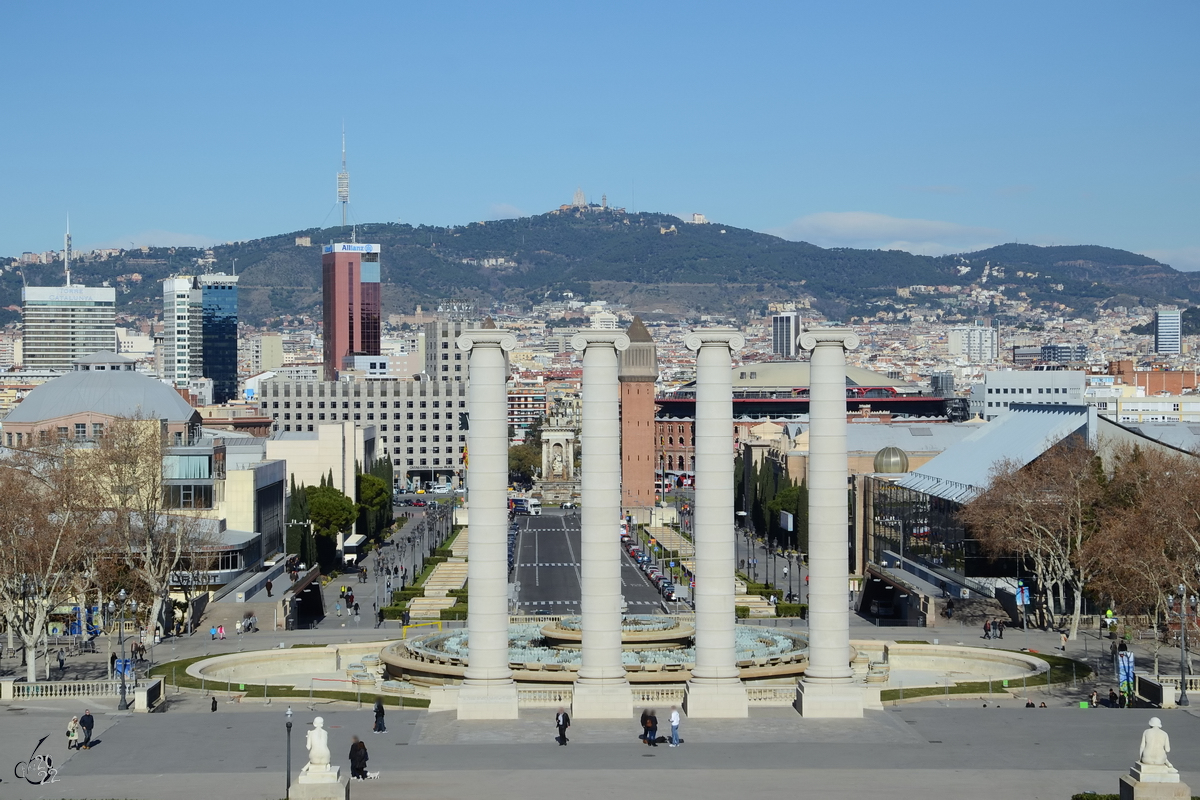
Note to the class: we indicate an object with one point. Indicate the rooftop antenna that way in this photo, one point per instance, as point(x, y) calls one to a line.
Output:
point(343, 180)
point(67, 250)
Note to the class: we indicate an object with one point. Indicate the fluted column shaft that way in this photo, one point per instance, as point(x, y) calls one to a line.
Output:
point(713, 521)
point(828, 543)
point(600, 551)
point(487, 483)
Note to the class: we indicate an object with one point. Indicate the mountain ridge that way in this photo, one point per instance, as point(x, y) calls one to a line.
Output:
point(637, 257)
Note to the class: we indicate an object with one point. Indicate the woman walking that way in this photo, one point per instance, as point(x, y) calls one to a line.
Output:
point(379, 726)
point(73, 734)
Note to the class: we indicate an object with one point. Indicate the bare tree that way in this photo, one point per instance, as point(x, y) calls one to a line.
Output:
point(48, 529)
point(1047, 513)
point(152, 538)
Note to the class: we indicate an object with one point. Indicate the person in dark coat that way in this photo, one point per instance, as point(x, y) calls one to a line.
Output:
point(214, 703)
point(358, 759)
point(87, 722)
point(379, 726)
point(652, 729)
point(644, 720)
point(562, 721)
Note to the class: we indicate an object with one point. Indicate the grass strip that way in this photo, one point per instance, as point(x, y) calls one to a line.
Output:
point(254, 690)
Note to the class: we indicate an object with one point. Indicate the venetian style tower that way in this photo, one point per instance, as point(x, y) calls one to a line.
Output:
point(637, 373)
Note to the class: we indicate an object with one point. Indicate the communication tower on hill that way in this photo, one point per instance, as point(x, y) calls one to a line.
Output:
point(343, 181)
point(67, 250)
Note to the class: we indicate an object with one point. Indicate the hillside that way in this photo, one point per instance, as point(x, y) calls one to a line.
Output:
point(647, 260)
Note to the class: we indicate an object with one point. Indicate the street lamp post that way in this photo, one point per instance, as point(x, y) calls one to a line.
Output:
point(791, 558)
point(289, 753)
point(1185, 603)
point(112, 607)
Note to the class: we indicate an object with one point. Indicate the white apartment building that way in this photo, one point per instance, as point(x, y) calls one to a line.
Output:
point(1168, 331)
point(416, 422)
point(785, 331)
point(62, 324)
point(1000, 390)
point(975, 343)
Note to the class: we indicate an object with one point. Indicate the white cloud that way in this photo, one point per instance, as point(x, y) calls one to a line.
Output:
point(1181, 258)
point(864, 229)
point(156, 238)
point(504, 211)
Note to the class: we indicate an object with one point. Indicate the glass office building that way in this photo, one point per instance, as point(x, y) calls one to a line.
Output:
point(219, 334)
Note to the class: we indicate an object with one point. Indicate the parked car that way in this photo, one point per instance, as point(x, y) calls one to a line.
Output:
point(569, 504)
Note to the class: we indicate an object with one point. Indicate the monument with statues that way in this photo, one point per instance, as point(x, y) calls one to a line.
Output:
point(1153, 777)
point(559, 480)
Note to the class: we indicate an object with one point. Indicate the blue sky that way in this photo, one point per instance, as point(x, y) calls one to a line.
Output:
point(933, 127)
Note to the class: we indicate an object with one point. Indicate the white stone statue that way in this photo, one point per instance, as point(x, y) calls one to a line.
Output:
point(1155, 745)
point(557, 469)
point(317, 741)
point(1152, 765)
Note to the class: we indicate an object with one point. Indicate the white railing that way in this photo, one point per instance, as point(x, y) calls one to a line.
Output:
point(529, 619)
point(544, 698)
point(1193, 681)
point(658, 695)
point(771, 695)
point(70, 689)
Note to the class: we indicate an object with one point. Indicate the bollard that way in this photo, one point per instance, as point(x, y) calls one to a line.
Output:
point(265, 697)
point(1072, 674)
point(989, 685)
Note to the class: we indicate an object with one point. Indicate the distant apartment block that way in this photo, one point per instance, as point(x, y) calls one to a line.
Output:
point(785, 330)
point(443, 360)
point(64, 323)
point(1168, 331)
point(1064, 353)
point(976, 344)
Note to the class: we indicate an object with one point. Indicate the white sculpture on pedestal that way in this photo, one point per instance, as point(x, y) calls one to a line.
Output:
point(318, 769)
point(1152, 765)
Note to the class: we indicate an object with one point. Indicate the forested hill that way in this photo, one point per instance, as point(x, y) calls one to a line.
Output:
point(651, 261)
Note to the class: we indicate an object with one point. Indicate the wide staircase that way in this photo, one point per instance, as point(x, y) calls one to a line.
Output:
point(444, 578)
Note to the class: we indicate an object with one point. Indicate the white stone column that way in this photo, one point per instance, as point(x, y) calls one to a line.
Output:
point(828, 688)
point(487, 690)
point(715, 689)
point(601, 690)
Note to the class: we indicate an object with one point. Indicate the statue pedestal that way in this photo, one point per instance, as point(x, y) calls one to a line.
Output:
point(324, 784)
point(1153, 782)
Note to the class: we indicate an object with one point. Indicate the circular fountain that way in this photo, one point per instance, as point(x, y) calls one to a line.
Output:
point(655, 649)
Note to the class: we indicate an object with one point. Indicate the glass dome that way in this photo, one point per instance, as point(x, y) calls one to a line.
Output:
point(891, 460)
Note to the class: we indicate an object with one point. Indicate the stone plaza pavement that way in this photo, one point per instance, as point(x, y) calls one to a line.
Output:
point(924, 750)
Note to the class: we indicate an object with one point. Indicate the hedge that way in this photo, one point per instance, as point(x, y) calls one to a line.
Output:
point(742, 612)
point(456, 611)
point(792, 610)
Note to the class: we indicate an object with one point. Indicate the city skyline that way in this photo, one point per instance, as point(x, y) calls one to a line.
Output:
point(940, 129)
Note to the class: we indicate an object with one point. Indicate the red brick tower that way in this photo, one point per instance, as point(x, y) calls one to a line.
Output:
point(637, 374)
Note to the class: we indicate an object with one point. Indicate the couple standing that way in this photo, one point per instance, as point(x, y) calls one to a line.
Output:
point(649, 722)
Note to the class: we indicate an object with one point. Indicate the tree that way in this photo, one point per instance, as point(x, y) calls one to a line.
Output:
point(1046, 512)
point(149, 529)
point(48, 531)
point(331, 513)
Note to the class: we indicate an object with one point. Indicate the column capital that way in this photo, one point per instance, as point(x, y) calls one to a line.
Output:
point(730, 337)
point(486, 337)
point(843, 337)
point(617, 339)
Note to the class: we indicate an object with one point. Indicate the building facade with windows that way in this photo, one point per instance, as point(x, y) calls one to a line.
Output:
point(63, 323)
point(351, 303)
point(200, 316)
point(999, 390)
point(1168, 331)
point(785, 331)
point(443, 360)
point(416, 422)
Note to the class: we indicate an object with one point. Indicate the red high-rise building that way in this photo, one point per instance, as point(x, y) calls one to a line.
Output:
point(350, 280)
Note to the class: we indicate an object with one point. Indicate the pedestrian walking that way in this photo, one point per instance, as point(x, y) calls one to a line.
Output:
point(1000, 628)
point(652, 729)
point(213, 632)
point(562, 721)
point(1093, 699)
point(379, 618)
point(356, 609)
point(358, 759)
point(949, 609)
point(674, 726)
point(379, 726)
point(73, 733)
point(220, 631)
point(270, 586)
point(214, 703)
point(87, 722)
point(112, 664)
point(987, 629)
point(1062, 641)
point(62, 663)
point(337, 607)
point(405, 616)
point(237, 627)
